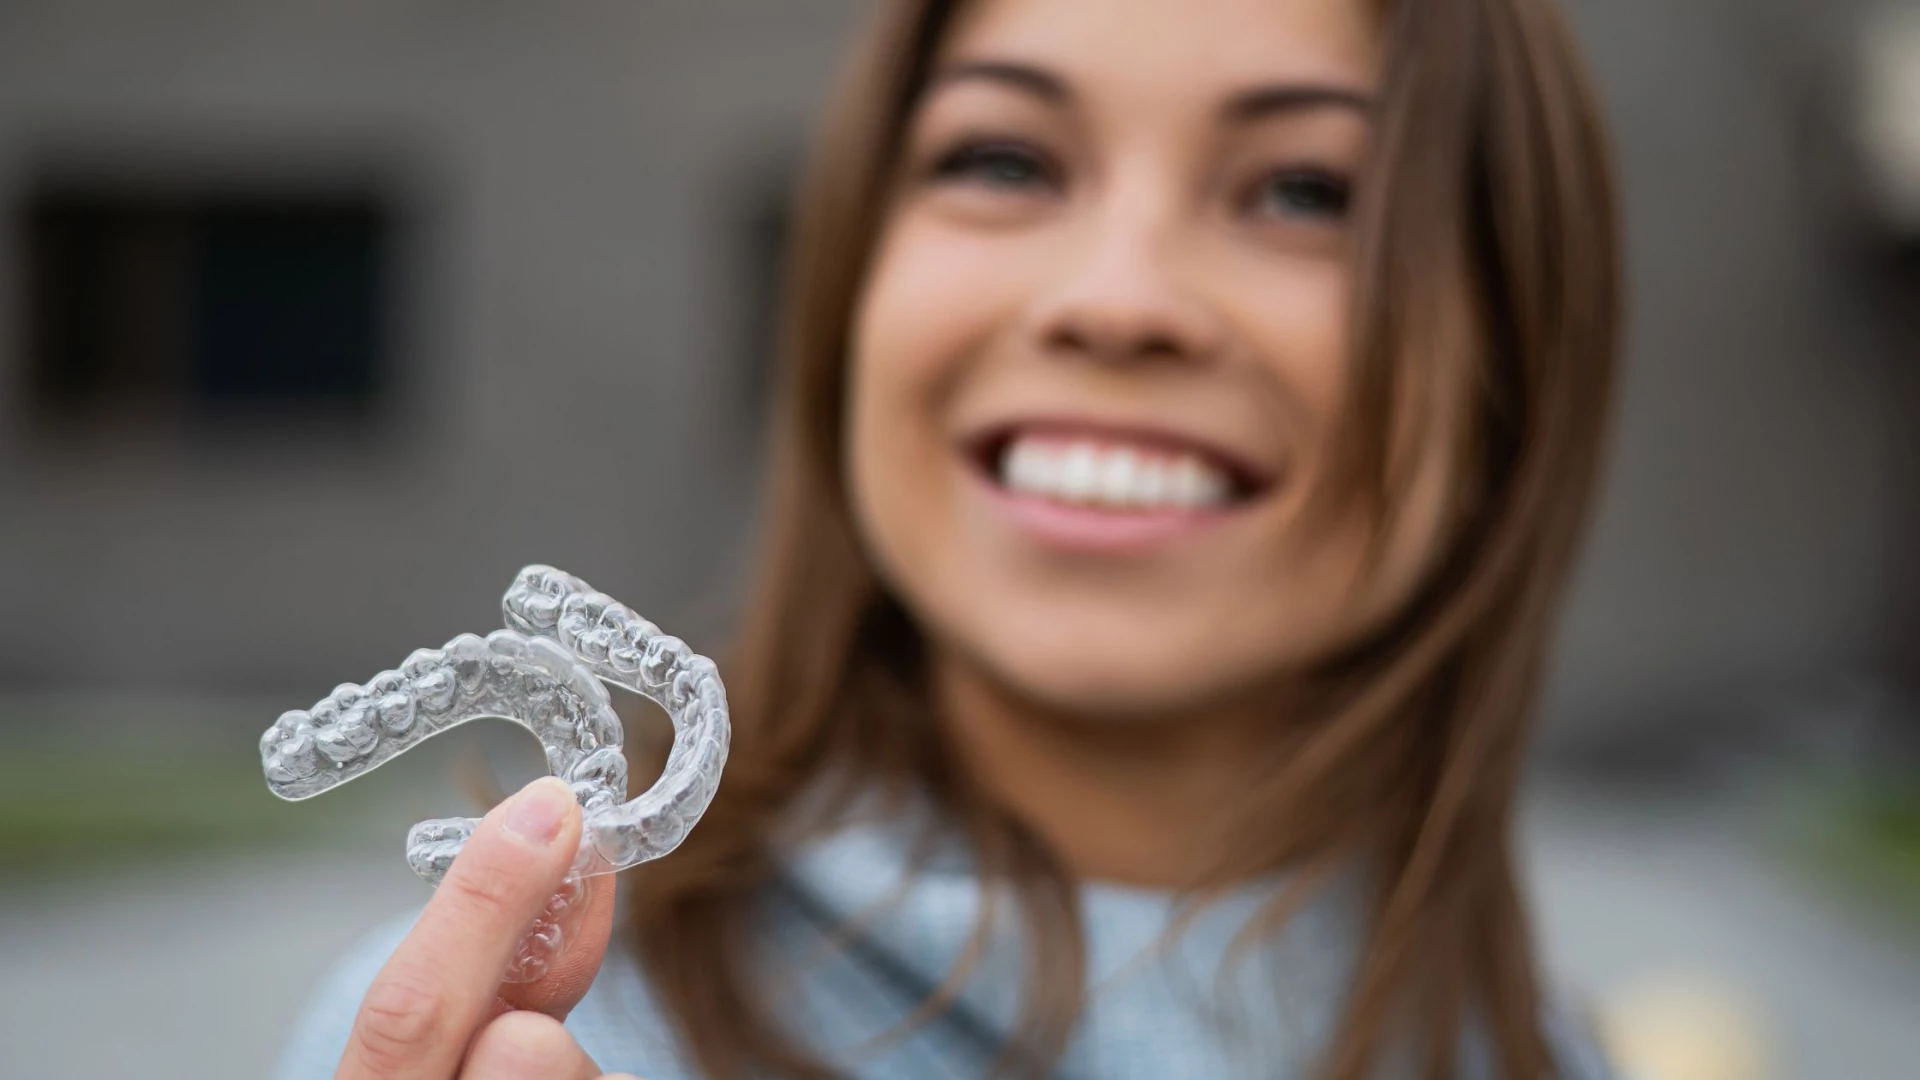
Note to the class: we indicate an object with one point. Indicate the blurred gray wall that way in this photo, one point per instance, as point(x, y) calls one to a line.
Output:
point(1755, 538)
point(580, 171)
point(577, 173)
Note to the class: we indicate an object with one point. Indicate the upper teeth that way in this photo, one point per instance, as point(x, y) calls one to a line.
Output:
point(1106, 475)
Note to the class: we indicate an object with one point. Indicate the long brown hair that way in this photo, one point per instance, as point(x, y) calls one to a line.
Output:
point(1486, 254)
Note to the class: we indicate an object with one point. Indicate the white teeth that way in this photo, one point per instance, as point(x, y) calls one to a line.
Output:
point(1077, 472)
point(1116, 472)
point(1150, 483)
point(1190, 482)
point(1021, 466)
point(1115, 477)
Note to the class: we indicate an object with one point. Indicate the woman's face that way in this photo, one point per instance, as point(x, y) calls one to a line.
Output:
point(1104, 347)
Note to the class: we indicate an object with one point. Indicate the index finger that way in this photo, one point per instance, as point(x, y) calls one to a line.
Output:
point(439, 985)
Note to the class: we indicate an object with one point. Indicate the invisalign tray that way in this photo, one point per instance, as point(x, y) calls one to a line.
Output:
point(544, 672)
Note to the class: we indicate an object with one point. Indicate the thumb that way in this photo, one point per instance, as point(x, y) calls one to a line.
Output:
point(586, 928)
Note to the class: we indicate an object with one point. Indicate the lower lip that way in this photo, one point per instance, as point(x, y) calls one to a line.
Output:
point(1086, 529)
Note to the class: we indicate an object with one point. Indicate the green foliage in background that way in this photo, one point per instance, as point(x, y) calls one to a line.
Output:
point(1869, 833)
point(61, 804)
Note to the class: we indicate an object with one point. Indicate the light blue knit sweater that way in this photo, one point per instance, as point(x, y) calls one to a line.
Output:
point(1158, 1009)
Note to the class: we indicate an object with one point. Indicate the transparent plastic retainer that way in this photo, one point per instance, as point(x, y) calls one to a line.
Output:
point(545, 672)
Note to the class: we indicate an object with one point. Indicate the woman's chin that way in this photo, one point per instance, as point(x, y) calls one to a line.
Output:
point(1149, 687)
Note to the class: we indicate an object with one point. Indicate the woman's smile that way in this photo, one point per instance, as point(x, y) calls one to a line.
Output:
point(1110, 488)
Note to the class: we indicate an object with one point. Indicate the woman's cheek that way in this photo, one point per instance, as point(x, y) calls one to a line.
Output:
point(1294, 317)
point(904, 349)
point(939, 299)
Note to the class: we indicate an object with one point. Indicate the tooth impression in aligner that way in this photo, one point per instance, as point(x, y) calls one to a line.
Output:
point(545, 672)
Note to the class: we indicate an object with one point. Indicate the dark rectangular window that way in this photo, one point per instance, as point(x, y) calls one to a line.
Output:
point(205, 303)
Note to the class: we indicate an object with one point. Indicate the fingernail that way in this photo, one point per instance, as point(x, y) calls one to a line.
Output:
point(536, 813)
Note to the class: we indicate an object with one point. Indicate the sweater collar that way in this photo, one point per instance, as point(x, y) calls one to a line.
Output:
point(902, 888)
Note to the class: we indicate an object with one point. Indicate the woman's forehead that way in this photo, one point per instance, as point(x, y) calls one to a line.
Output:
point(1174, 48)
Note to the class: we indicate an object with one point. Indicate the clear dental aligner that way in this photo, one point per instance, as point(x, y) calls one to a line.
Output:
point(545, 672)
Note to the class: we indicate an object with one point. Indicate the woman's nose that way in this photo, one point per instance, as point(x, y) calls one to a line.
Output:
point(1118, 301)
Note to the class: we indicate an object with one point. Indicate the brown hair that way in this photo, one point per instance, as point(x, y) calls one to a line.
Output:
point(1485, 254)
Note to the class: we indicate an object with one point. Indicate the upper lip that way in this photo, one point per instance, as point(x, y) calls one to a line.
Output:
point(1249, 476)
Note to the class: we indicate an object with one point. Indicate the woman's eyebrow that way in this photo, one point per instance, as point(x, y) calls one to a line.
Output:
point(1264, 101)
point(1248, 105)
point(1026, 78)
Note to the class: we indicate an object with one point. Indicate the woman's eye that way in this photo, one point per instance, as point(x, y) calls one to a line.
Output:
point(1304, 193)
point(997, 165)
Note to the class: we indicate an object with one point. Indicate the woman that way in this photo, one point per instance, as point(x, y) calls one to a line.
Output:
point(1190, 408)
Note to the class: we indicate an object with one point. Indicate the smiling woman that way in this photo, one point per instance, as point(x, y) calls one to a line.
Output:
point(1188, 413)
point(1135, 246)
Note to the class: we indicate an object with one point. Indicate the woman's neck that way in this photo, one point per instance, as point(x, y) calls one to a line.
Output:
point(1135, 800)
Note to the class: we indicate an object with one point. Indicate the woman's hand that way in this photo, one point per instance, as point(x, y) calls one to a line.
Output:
point(437, 1010)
